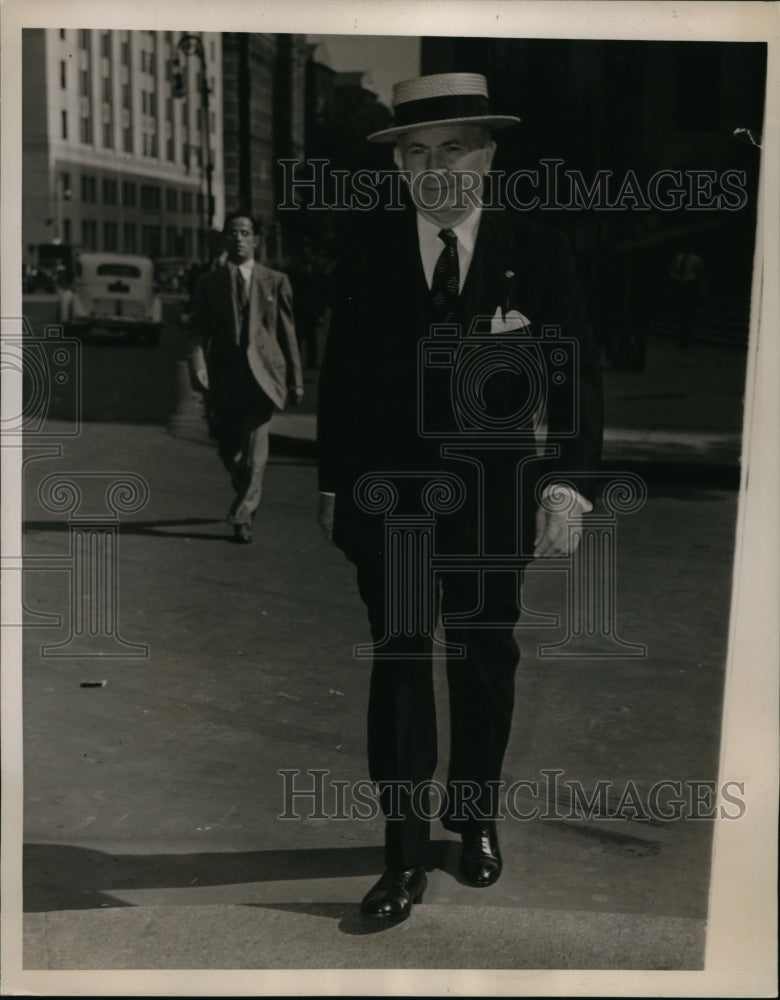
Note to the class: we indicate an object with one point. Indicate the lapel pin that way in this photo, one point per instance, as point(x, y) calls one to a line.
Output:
point(509, 274)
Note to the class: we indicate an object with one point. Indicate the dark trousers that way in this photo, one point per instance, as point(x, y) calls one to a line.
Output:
point(402, 735)
point(241, 420)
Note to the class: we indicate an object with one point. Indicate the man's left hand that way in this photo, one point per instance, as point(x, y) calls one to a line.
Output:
point(294, 395)
point(554, 529)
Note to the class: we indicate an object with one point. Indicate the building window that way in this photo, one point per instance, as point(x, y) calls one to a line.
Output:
point(85, 87)
point(106, 44)
point(124, 51)
point(129, 239)
point(88, 189)
point(150, 241)
point(171, 200)
point(126, 95)
point(63, 75)
point(127, 140)
point(171, 241)
point(128, 194)
point(108, 135)
point(64, 120)
point(110, 236)
point(109, 191)
point(186, 201)
point(150, 197)
point(186, 243)
point(62, 32)
point(89, 234)
point(66, 231)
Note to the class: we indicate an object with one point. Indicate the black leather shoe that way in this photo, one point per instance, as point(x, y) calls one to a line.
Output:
point(391, 898)
point(242, 534)
point(480, 859)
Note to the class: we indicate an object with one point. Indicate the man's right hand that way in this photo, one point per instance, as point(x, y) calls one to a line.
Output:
point(325, 514)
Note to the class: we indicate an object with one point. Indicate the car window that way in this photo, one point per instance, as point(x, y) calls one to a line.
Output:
point(118, 271)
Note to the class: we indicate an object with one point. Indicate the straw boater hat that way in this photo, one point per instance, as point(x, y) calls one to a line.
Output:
point(441, 99)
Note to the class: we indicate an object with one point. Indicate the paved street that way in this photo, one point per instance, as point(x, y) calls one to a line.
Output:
point(153, 784)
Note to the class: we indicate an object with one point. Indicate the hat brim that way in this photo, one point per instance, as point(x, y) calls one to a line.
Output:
point(491, 121)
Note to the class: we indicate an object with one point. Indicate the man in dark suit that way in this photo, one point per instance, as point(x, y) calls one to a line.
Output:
point(245, 356)
point(456, 331)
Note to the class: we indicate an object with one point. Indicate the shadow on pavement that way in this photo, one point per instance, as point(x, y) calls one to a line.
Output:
point(64, 877)
point(154, 528)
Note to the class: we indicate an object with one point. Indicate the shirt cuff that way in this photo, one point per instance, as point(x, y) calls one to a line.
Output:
point(585, 506)
point(325, 493)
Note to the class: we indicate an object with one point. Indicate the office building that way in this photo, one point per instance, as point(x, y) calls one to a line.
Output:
point(121, 140)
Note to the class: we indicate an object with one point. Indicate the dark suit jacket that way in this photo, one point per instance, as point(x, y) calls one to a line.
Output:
point(272, 348)
point(379, 388)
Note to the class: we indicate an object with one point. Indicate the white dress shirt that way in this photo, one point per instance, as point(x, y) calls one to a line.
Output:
point(431, 244)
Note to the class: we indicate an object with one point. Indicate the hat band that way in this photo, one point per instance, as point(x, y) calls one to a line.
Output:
point(432, 109)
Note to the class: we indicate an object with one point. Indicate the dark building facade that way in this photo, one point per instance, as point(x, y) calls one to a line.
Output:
point(264, 119)
point(624, 116)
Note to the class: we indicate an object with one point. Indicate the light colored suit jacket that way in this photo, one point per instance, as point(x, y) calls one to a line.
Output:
point(272, 348)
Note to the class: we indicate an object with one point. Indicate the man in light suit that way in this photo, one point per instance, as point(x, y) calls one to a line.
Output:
point(245, 356)
point(390, 411)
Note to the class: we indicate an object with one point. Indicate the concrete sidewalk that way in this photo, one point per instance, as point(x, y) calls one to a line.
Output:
point(153, 799)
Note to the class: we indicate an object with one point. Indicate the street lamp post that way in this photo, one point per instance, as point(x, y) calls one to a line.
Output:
point(190, 45)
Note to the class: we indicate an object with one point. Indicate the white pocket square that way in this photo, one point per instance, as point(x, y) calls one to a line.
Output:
point(506, 322)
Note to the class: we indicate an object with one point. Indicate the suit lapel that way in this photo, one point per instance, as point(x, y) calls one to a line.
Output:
point(404, 259)
point(261, 295)
point(492, 281)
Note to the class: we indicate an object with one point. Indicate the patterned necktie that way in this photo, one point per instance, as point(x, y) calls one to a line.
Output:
point(446, 280)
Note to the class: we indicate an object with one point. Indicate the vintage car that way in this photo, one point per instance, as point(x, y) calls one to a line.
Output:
point(113, 293)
